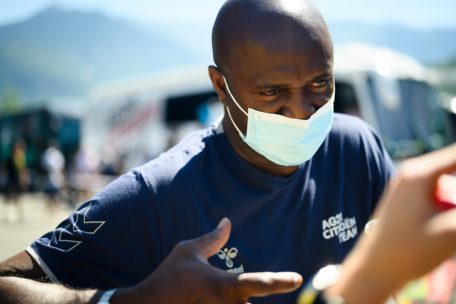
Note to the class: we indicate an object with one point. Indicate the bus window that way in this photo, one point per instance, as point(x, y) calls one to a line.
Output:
point(180, 109)
point(346, 101)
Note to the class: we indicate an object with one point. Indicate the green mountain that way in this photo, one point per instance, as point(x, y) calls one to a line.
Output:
point(61, 53)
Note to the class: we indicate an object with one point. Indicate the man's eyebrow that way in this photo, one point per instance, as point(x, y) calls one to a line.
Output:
point(274, 85)
point(266, 85)
point(324, 75)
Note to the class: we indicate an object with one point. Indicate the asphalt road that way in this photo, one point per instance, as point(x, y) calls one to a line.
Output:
point(16, 233)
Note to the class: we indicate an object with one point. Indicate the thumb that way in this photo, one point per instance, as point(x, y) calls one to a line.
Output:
point(209, 244)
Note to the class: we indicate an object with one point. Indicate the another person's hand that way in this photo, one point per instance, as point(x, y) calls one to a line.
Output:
point(186, 277)
point(411, 238)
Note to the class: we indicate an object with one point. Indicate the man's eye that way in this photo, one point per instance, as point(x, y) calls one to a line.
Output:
point(320, 83)
point(271, 92)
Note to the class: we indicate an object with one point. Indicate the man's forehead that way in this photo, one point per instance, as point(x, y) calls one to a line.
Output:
point(246, 31)
point(280, 34)
point(290, 71)
point(245, 25)
point(279, 47)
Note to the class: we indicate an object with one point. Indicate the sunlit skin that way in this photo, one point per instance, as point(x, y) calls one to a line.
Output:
point(275, 64)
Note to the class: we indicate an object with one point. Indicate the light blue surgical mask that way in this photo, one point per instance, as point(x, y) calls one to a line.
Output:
point(285, 141)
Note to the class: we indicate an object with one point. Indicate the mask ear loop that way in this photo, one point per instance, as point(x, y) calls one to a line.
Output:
point(228, 109)
point(232, 97)
point(234, 124)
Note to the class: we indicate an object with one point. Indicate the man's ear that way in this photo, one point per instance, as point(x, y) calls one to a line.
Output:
point(218, 83)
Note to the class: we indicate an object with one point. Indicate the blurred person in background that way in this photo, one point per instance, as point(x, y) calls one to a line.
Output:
point(3, 177)
point(87, 160)
point(85, 171)
point(53, 163)
point(82, 168)
point(111, 162)
point(17, 177)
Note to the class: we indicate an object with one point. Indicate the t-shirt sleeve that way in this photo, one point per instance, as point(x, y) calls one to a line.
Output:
point(112, 240)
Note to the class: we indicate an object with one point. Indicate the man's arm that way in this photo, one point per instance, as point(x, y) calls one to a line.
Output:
point(23, 281)
point(22, 265)
point(185, 276)
point(21, 290)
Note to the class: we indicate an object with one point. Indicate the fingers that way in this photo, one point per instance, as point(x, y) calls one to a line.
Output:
point(435, 163)
point(417, 178)
point(209, 244)
point(444, 223)
point(442, 231)
point(266, 283)
point(443, 161)
point(445, 193)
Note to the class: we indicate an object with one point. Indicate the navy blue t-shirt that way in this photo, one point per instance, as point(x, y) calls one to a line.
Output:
point(297, 223)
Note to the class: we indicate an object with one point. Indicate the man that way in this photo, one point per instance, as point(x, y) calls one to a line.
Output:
point(297, 197)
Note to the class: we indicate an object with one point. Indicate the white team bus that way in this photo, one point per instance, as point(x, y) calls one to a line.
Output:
point(144, 115)
point(390, 91)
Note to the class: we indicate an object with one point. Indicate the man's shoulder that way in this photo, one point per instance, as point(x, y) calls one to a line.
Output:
point(353, 130)
point(350, 134)
point(347, 124)
point(191, 149)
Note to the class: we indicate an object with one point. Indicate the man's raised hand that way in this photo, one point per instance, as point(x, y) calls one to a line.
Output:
point(185, 276)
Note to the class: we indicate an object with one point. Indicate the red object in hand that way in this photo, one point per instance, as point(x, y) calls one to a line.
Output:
point(445, 192)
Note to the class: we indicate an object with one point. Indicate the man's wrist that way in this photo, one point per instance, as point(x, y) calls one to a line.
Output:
point(105, 297)
point(126, 295)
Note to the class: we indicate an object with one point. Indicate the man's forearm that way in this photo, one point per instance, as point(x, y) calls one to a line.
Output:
point(20, 290)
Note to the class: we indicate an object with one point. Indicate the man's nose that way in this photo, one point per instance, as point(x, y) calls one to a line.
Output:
point(299, 107)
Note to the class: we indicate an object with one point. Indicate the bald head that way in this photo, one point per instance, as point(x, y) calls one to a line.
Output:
point(277, 25)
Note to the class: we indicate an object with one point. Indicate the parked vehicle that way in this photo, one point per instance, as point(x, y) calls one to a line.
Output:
point(390, 91)
point(142, 116)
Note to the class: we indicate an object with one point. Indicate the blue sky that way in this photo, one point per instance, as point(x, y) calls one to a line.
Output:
point(410, 13)
point(190, 21)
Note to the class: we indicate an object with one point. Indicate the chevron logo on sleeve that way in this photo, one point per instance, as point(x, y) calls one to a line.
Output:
point(63, 238)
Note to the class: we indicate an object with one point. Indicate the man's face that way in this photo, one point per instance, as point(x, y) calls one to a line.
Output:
point(274, 61)
point(286, 77)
